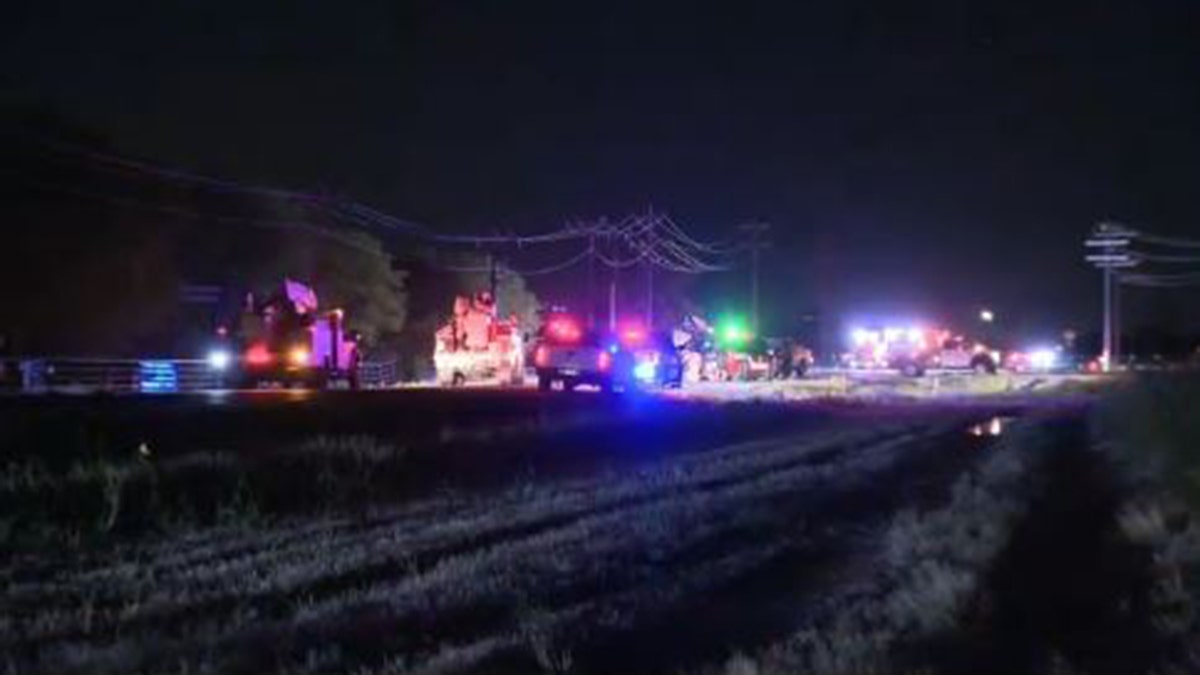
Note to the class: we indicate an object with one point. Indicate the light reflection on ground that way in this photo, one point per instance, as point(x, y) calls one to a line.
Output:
point(992, 427)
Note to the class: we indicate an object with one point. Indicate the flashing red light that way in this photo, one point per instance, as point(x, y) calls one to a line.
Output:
point(633, 336)
point(564, 330)
point(541, 356)
point(258, 355)
point(604, 360)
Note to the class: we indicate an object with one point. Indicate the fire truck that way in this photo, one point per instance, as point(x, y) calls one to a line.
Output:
point(283, 339)
point(477, 346)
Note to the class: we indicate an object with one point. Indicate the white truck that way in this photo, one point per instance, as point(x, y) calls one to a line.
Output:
point(477, 346)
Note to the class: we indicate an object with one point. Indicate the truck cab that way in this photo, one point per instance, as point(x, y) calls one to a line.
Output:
point(956, 353)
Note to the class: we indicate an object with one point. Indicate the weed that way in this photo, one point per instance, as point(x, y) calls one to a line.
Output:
point(1151, 430)
point(740, 664)
point(241, 510)
point(536, 627)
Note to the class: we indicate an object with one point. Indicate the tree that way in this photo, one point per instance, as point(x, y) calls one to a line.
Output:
point(95, 255)
point(270, 239)
point(80, 276)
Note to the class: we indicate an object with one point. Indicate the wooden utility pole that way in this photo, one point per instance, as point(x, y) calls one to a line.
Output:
point(612, 302)
point(756, 231)
point(612, 286)
point(649, 296)
point(493, 282)
point(1109, 251)
point(591, 283)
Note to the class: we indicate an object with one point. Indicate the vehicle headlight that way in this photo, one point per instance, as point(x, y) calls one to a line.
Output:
point(644, 371)
point(298, 356)
point(218, 359)
point(1043, 358)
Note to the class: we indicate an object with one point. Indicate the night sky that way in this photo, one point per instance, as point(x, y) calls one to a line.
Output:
point(913, 159)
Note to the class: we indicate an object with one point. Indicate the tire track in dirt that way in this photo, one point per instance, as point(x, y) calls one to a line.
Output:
point(611, 565)
point(576, 502)
point(571, 501)
point(765, 604)
point(816, 456)
point(650, 612)
point(222, 546)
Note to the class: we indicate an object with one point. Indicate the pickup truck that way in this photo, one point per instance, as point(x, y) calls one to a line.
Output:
point(582, 359)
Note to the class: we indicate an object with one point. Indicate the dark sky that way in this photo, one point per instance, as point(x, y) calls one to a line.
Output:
point(912, 158)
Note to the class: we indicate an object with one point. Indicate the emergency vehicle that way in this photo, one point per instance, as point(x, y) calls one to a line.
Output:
point(283, 339)
point(477, 346)
point(656, 361)
point(569, 356)
point(912, 351)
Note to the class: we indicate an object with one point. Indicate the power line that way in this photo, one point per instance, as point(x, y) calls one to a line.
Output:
point(549, 269)
point(1153, 257)
point(1166, 241)
point(265, 223)
point(124, 163)
point(1160, 279)
point(653, 239)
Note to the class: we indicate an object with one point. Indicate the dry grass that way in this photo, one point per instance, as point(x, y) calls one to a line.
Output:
point(88, 502)
point(447, 582)
point(1151, 429)
point(928, 571)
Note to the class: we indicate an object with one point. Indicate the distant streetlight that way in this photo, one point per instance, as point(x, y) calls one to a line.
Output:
point(987, 316)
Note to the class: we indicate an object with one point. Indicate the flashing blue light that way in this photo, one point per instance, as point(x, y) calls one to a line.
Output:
point(614, 348)
point(645, 371)
point(156, 377)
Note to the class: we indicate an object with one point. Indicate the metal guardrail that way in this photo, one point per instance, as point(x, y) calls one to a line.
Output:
point(378, 374)
point(130, 376)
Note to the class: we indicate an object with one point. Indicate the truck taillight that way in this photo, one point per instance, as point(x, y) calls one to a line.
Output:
point(564, 330)
point(258, 355)
point(604, 360)
point(541, 356)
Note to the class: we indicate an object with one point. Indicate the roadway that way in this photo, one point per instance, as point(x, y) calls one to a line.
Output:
point(413, 414)
point(452, 436)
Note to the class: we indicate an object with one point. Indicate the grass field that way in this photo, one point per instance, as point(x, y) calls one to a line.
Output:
point(730, 538)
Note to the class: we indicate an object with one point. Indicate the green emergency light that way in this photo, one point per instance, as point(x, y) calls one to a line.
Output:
point(733, 333)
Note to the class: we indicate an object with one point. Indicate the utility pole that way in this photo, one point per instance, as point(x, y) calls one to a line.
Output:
point(612, 291)
point(612, 302)
point(1110, 241)
point(1116, 316)
point(591, 283)
point(493, 282)
point(1106, 351)
point(649, 295)
point(755, 230)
